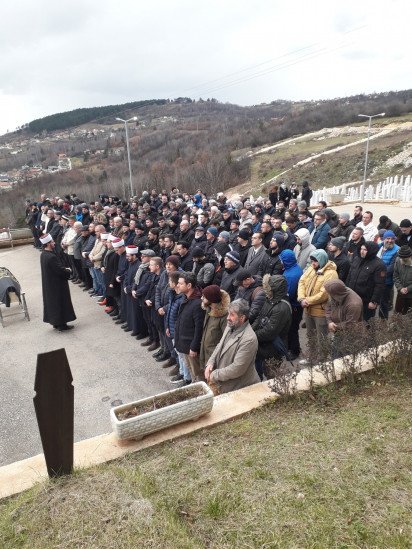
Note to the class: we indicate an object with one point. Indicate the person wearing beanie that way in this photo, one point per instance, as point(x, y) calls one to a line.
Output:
point(224, 236)
point(405, 237)
point(211, 237)
point(203, 267)
point(272, 264)
point(367, 278)
point(243, 245)
point(402, 276)
point(215, 302)
point(57, 304)
point(388, 252)
point(337, 253)
point(343, 228)
point(232, 265)
point(388, 225)
point(312, 296)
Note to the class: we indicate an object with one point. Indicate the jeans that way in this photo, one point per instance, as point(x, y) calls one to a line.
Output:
point(101, 287)
point(183, 368)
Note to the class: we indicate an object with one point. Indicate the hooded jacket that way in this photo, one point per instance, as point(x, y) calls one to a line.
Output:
point(303, 251)
point(275, 316)
point(312, 284)
point(367, 275)
point(344, 305)
point(292, 273)
point(214, 325)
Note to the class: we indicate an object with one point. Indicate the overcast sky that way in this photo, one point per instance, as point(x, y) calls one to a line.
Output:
point(58, 56)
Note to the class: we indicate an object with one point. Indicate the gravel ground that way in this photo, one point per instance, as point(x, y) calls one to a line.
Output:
point(107, 364)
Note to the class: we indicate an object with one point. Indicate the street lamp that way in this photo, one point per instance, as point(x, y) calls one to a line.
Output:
point(362, 190)
point(128, 149)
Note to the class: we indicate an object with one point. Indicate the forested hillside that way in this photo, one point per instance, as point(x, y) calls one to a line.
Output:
point(184, 143)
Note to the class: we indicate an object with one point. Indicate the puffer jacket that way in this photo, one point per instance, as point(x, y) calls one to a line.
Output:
point(344, 306)
point(275, 317)
point(388, 256)
point(214, 325)
point(172, 311)
point(367, 275)
point(302, 251)
point(312, 286)
point(292, 273)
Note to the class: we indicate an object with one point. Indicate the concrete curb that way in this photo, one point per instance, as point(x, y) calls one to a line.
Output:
point(22, 475)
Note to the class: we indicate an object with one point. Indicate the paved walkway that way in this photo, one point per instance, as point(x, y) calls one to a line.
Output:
point(99, 378)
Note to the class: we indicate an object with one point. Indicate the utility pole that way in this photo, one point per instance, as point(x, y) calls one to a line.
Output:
point(362, 190)
point(125, 122)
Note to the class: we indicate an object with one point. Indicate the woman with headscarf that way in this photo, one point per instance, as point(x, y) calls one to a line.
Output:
point(313, 296)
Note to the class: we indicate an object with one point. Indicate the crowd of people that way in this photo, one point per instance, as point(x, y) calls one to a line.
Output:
point(218, 288)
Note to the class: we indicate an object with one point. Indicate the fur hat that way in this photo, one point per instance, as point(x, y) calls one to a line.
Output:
point(212, 293)
point(174, 260)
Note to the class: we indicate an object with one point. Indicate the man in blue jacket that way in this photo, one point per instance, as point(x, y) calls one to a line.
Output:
point(292, 272)
point(388, 252)
point(319, 231)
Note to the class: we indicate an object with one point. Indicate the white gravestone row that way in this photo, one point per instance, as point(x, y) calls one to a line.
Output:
point(392, 188)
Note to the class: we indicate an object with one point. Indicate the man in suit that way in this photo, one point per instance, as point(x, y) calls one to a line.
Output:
point(256, 257)
point(232, 364)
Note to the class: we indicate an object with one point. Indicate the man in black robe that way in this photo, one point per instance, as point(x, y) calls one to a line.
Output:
point(58, 309)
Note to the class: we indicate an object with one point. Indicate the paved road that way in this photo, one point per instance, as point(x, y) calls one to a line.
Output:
point(107, 364)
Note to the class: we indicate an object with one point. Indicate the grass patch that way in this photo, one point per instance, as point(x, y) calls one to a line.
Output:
point(331, 470)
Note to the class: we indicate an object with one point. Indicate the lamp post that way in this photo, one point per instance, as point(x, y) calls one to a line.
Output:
point(362, 190)
point(133, 119)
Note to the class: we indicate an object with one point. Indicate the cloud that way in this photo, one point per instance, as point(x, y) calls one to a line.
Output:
point(55, 56)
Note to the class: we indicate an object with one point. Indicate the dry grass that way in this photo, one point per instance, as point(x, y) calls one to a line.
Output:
point(330, 473)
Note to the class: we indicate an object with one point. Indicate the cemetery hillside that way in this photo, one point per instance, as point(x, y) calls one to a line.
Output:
point(206, 144)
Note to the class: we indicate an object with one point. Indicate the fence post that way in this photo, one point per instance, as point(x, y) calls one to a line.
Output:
point(54, 405)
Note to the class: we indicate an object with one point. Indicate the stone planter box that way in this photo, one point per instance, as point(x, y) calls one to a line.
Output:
point(190, 409)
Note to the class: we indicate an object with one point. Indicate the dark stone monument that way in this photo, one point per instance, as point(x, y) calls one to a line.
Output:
point(54, 405)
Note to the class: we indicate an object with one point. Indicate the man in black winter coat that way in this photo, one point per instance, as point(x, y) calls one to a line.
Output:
point(232, 265)
point(367, 278)
point(189, 324)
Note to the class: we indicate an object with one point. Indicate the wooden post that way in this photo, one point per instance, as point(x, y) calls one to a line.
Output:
point(54, 405)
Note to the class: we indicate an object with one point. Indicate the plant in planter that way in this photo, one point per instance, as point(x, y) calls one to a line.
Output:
point(148, 415)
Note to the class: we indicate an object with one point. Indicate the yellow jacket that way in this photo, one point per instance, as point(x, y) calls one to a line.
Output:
point(312, 288)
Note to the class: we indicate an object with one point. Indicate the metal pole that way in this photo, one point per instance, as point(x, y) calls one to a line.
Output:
point(128, 159)
point(362, 193)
